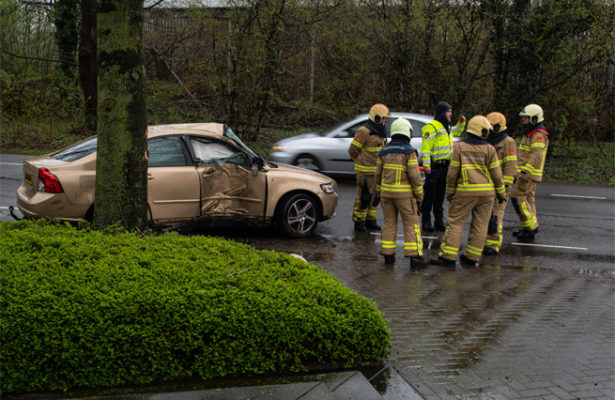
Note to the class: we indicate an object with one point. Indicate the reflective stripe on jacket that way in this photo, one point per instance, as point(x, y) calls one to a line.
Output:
point(363, 149)
point(398, 176)
point(437, 142)
point(533, 154)
point(474, 171)
point(506, 150)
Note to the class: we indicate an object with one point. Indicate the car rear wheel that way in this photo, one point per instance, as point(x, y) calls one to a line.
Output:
point(298, 216)
point(308, 162)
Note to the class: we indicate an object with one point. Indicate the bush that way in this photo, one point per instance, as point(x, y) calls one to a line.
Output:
point(82, 308)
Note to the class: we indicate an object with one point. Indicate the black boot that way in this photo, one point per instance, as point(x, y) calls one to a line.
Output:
point(439, 224)
point(466, 262)
point(359, 226)
point(427, 226)
point(418, 262)
point(372, 224)
point(490, 251)
point(389, 258)
point(445, 262)
point(526, 236)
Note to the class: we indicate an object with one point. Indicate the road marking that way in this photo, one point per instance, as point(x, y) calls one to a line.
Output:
point(10, 163)
point(549, 246)
point(3, 208)
point(577, 196)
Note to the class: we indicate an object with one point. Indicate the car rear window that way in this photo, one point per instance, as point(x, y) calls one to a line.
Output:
point(76, 151)
point(167, 151)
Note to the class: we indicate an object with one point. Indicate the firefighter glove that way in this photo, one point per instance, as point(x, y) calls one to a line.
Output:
point(376, 200)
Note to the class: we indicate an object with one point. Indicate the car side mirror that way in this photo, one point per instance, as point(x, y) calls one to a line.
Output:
point(257, 165)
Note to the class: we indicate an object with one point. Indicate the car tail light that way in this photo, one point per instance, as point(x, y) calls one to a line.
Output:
point(48, 182)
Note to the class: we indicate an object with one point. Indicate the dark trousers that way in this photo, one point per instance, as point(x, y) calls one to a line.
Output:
point(434, 192)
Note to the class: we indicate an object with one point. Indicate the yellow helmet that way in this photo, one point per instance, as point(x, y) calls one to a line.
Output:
point(479, 126)
point(401, 126)
point(498, 120)
point(377, 112)
point(534, 112)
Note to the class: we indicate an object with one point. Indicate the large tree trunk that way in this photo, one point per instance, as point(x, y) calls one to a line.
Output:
point(87, 61)
point(121, 166)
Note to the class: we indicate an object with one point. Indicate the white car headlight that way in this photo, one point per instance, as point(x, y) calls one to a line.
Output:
point(328, 187)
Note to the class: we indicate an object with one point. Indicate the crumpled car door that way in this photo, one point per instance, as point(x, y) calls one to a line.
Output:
point(228, 187)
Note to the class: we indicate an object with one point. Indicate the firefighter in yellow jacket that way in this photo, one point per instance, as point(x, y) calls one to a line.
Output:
point(368, 141)
point(474, 179)
point(506, 149)
point(400, 188)
point(530, 166)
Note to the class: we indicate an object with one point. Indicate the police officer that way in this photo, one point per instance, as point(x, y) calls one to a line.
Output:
point(400, 187)
point(472, 182)
point(506, 149)
point(436, 152)
point(368, 141)
point(530, 166)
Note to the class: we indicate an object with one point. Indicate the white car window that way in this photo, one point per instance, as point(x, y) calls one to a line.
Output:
point(207, 151)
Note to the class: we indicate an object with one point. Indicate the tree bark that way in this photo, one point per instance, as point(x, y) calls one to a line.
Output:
point(121, 165)
point(87, 62)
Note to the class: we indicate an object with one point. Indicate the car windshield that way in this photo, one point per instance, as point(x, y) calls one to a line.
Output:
point(76, 151)
point(333, 128)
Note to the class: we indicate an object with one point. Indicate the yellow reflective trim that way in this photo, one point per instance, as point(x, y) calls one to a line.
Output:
point(538, 144)
point(357, 144)
point(364, 168)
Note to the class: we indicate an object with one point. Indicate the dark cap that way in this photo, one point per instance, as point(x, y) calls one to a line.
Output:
point(442, 107)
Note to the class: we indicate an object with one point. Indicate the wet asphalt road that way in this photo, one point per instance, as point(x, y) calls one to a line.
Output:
point(533, 322)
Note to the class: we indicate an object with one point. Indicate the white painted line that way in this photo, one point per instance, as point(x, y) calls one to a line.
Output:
point(11, 163)
point(577, 196)
point(549, 246)
point(3, 208)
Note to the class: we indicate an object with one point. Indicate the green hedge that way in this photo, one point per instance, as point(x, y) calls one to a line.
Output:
point(82, 308)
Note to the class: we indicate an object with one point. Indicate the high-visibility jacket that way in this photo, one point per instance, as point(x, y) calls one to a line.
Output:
point(506, 149)
point(397, 173)
point(363, 149)
point(474, 171)
point(533, 154)
point(437, 142)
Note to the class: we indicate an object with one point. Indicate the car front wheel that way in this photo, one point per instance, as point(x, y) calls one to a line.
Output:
point(298, 216)
point(308, 162)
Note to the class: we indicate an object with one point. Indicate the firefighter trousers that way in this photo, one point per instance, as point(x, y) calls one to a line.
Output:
point(408, 210)
point(494, 240)
point(523, 197)
point(363, 209)
point(458, 212)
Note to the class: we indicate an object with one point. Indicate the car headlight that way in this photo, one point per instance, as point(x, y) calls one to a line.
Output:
point(277, 147)
point(328, 187)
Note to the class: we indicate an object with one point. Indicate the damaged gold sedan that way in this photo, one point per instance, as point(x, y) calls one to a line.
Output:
point(196, 172)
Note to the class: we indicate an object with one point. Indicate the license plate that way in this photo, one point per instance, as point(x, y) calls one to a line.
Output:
point(28, 179)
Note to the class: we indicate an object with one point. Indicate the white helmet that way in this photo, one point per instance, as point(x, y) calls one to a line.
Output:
point(401, 126)
point(534, 112)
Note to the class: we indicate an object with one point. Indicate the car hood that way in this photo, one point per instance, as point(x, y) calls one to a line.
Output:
point(299, 137)
point(291, 169)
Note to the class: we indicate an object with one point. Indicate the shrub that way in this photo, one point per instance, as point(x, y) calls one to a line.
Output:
point(82, 308)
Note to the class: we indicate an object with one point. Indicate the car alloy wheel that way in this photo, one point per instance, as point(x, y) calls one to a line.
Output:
point(307, 161)
point(299, 216)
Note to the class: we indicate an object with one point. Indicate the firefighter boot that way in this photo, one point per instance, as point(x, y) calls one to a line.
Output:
point(445, 262)
point(527, 236)
point(372, 225)
point(418, 262)
point(389, 258)
point(490, 251)
point(359, 226)
point(466, 262)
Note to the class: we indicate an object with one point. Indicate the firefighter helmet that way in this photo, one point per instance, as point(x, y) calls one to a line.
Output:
point(533, 112)
point(498, 120)
point(377, 112)
point(479, 126)
point(401, 126)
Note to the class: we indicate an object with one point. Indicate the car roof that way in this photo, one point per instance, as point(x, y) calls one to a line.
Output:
point(202, 128)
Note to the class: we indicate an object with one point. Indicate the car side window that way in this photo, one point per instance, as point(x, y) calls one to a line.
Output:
point(417, 127)
point(349, 132)
point(167, 151)
point(212, 151)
